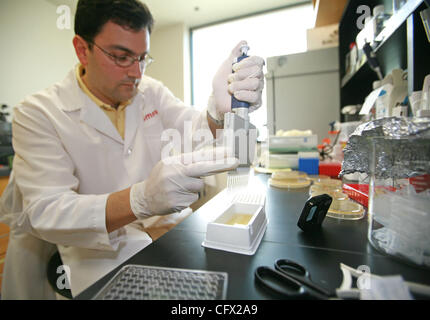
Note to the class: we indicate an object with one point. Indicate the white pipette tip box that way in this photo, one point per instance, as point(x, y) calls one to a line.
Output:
point(238, 229)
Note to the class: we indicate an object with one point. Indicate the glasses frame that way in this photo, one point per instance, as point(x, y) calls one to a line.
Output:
point(144, 62)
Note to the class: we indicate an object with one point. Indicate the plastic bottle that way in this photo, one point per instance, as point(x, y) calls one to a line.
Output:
point(353, 55)
point(382, 107)
point(379, 18)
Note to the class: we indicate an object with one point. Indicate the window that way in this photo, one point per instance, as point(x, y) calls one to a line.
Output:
point(270, 34)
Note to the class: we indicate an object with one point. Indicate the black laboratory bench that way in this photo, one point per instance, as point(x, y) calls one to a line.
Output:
point(339, 241)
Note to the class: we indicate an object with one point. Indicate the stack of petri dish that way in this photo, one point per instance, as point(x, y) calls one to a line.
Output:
point(341, 207)
point(289, 179)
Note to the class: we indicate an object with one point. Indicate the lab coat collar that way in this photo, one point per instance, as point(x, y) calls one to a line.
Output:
point(132, 119)
point(94, 116)
point(70, 94)
point(91, 114)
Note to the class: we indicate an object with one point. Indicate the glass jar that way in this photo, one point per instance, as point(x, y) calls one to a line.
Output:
point(378, 21)
point(399, 198)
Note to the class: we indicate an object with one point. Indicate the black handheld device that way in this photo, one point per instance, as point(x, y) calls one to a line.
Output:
point(314, 212)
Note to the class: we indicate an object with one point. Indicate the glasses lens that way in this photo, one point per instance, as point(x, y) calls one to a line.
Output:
point(145, 62)
point(148, 60)
point(124, 61)
point(127, 61)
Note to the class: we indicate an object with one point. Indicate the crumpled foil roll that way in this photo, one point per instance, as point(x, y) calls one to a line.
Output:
point(401, 147)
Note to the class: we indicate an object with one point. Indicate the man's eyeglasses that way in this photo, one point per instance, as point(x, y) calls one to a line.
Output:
point(125, 61)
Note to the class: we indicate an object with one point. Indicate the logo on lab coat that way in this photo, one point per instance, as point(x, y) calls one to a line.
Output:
point(150, 115)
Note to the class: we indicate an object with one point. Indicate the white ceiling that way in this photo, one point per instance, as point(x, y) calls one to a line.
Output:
point(200, 12)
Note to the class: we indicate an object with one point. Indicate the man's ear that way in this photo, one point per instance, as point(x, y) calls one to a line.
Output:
point(81, 49)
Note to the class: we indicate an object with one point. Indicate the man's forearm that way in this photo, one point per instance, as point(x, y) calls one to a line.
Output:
point(118, 210)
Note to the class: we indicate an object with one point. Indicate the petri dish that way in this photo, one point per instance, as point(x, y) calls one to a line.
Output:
point(336, 195)
point(345, 210)
point(290, 183)
point(259, 169)
point(329, 183)
point(318, 177)
point(324, 189)
point(282, 175)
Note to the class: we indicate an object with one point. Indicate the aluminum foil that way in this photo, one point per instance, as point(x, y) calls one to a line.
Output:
point(391, 147)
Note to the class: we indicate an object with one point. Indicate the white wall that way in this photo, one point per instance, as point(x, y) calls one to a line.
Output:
point(35, 53)
point(170, 49)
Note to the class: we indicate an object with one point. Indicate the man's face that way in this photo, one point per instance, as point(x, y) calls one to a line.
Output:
point(109, 82)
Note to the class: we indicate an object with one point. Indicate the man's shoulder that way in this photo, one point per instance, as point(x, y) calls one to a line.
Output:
point(50, 97)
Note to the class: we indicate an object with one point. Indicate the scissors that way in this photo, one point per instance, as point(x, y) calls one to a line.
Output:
point(290, 279)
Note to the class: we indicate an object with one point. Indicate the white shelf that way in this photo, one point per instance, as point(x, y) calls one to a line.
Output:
point(391, 25)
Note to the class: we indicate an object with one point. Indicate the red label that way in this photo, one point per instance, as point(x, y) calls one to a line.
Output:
point(150, 115)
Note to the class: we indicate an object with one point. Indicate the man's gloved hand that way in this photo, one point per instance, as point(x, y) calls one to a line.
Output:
point(246, 83)
point(174, 182)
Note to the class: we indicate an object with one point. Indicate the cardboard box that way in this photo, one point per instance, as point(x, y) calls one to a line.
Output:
point(328, 12)
point(323, 37)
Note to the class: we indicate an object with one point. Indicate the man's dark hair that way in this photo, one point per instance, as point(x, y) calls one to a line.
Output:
point(92, 15)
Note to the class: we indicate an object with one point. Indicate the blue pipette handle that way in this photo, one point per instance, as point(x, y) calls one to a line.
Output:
point(234, 102)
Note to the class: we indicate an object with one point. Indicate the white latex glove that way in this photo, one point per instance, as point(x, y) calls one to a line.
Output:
point(174, 182)
point(246, 83)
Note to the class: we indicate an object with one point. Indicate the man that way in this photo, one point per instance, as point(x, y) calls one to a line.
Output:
point(88, 169)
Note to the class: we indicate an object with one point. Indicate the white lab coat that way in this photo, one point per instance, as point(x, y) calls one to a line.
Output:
point(68, 158)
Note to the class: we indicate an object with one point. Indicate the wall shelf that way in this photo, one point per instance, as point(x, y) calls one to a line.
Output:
point(401, 44)
point(391, 25)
